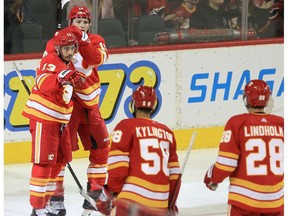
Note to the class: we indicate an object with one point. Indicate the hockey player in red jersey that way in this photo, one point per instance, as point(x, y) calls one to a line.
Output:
point(49, 108)
point(86, 119)
point(251, 154)
point(143, 166)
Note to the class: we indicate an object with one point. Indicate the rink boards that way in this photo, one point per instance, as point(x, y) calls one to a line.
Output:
point(198, 88)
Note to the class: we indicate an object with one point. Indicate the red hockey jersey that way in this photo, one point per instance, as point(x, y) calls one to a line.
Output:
point(92, 53)
point(184, 11)
point(251, 153)
point(153, 7)
point(143, 164)
point(49, 101)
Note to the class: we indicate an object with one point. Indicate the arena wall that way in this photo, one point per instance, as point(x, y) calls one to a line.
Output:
point(199, 88)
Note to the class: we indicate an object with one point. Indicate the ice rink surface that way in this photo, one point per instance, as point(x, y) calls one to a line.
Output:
point(194, 198)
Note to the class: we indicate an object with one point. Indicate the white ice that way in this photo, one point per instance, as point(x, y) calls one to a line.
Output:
point(194, 198)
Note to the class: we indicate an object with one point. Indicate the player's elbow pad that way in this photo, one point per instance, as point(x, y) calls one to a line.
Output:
point(67, 91)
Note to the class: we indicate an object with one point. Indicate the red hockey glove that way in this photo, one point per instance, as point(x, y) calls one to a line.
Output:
point(104, 203)
point(207, 179)
point(131, 208)
point(172, 211)
point(104, 207)
point(71, 77)
point(80, 35)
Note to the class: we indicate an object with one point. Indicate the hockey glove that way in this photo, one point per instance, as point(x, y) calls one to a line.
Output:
point(104, 203)
point(207, 179)
point(74, 78)
point(80, 35)
point(104, 207)
point(173, 211)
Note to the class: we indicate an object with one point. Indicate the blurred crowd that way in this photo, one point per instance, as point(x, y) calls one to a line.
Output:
point(265, 17)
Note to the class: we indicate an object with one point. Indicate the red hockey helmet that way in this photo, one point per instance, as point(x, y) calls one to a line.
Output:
point(144, 97)
point(64, 38)
point(256, 93)
point(79, 12)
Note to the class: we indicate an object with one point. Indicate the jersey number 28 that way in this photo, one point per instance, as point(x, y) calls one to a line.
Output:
point(274, 150)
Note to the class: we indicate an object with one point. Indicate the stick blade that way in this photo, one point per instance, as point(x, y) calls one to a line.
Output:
point(87, 197)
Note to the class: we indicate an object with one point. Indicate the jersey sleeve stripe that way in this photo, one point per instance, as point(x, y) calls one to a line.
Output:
point(224, 168)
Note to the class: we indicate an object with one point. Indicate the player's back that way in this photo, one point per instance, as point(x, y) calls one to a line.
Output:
point(261, 143)
point(151, 149)
point(253, 149)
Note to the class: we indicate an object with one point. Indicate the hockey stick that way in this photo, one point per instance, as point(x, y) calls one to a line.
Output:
point(21, 78)
point(82, 191)
point(59, 14)
point(173, 199)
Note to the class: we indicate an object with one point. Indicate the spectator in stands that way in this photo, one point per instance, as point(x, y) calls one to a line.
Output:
point(105, 8)
point(141, 7)
point(121, 11)
point(158, 8)
point(179, 17)
point(277, 17)
point(15, 12)
point(124, 11)
point(173, 4)
point(210, 14)
point(263, 16)
point(271, 25)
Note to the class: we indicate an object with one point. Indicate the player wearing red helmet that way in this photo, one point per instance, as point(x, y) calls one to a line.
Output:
point(86, 120)
point(49, 108)
point(79, 12)
point(256, 94)
point(251, 154)
point(144, 98)
point(143, 166)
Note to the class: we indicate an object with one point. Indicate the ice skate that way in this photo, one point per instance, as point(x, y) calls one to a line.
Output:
point(89, 210)
point(43, 212)
point(57, 203)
